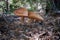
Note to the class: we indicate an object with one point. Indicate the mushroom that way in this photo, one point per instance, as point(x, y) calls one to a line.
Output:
point(23, 12)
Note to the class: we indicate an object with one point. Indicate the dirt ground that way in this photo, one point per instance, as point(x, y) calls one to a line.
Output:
point(49, 29)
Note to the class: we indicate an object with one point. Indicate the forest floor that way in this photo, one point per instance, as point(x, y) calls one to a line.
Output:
point(13, 30)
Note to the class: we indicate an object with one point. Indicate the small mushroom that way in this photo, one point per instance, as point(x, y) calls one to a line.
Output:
point(23, 12)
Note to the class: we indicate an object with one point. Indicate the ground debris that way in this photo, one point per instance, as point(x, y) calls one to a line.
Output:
point(48, 30)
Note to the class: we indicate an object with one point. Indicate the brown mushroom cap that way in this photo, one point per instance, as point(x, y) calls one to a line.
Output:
point(34, 15)
point(21, 12)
